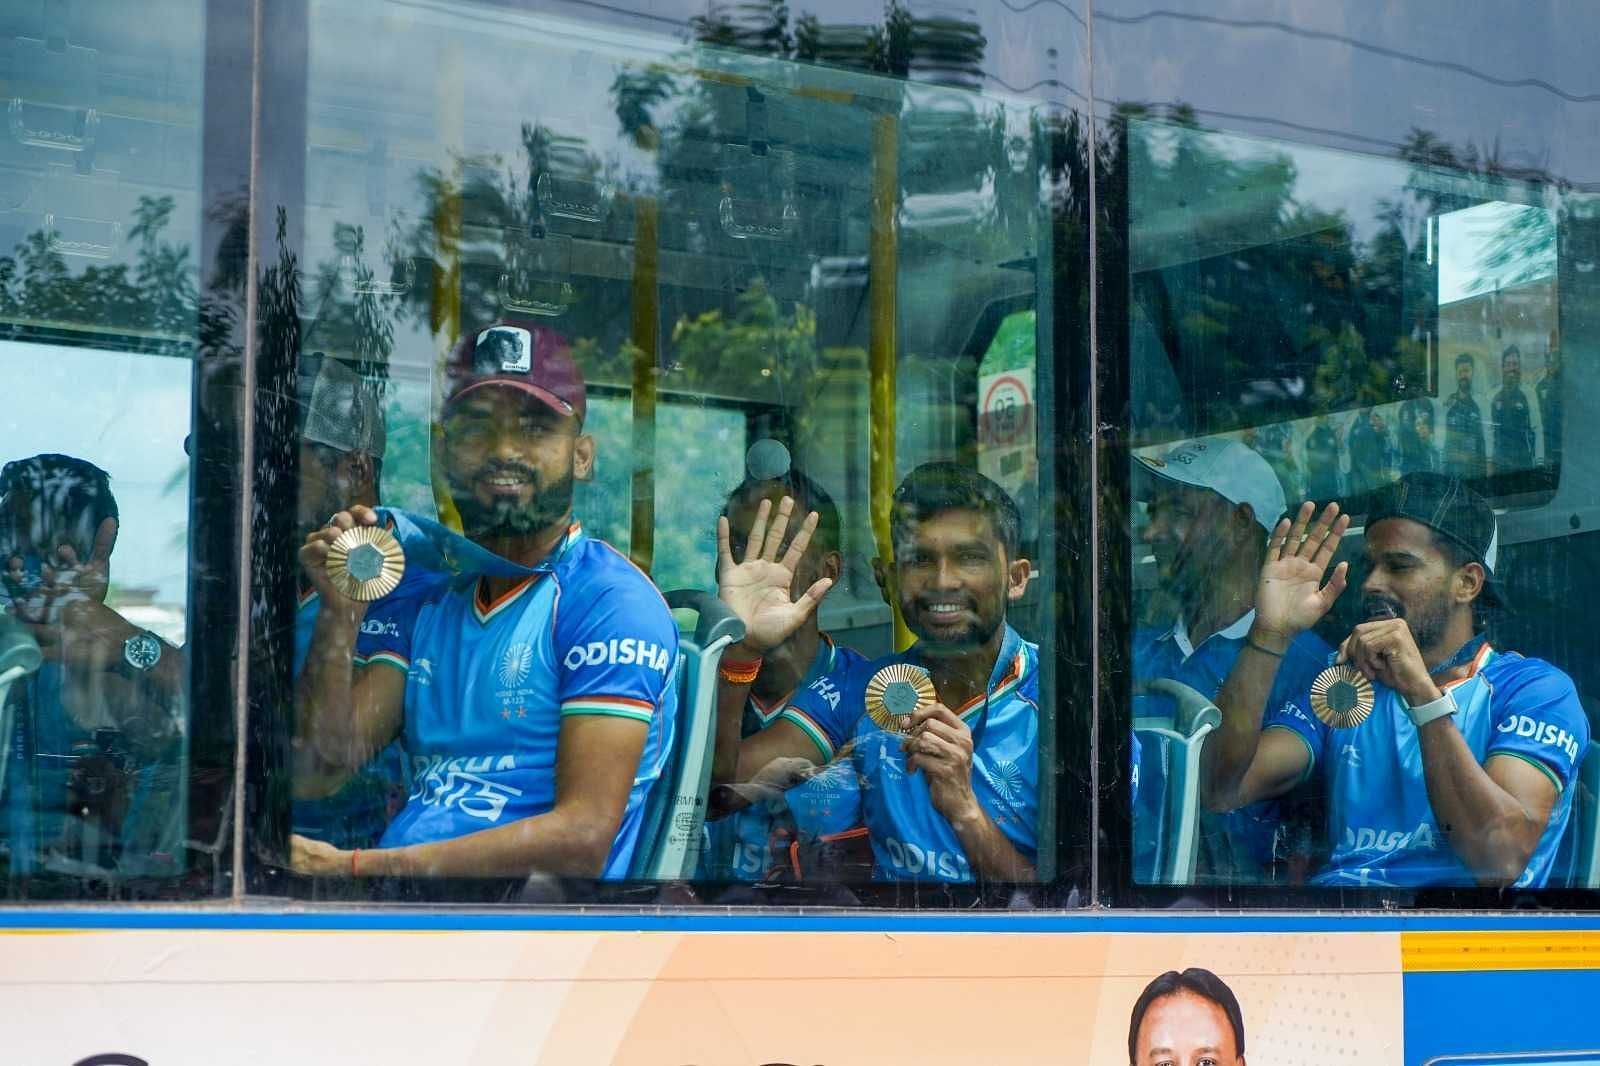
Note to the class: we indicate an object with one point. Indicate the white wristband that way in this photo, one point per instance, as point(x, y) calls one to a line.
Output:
point(1421, 716)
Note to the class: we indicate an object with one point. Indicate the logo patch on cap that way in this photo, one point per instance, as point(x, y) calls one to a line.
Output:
point(503, 350)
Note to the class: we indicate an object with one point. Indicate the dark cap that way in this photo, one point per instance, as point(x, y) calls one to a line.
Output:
point(1445, 505)
point(522, 355)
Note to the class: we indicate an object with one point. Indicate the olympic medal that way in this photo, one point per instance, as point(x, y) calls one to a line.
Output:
point(1341, 696)
point(895, 692)
point(366, 563)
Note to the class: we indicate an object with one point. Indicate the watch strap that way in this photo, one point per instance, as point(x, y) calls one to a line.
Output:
point(1427, 712)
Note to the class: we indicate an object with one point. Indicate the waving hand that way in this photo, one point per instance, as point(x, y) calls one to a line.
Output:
point(1291, 596)
point(759, 588)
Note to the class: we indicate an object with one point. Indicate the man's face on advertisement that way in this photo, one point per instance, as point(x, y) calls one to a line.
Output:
point(1464, 377)
point(1184, 1029)
point(1511, 370)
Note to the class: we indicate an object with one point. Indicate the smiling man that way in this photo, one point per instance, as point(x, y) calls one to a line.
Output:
point(1462, 772)
point(954, 797)
point(537, 709)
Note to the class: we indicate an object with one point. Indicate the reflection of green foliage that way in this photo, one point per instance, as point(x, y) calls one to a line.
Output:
point(157, 295)
point(1522, 249)
point(756, 351)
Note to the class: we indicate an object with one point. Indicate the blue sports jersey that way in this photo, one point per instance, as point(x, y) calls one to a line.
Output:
point(1380, 823)
point(741, 846)
point(489, 684)
point(355, 815)
point(910, 839)
point(1248, 833)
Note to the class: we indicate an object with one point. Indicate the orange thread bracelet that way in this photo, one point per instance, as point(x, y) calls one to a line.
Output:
point(735, 672)
point(353, 855)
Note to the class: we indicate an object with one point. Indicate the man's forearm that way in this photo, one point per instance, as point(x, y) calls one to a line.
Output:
point(990, 853)
point(1489, 829)
point(1231, 749)
point(325, 690)
point(731, 700)
point(559, 842)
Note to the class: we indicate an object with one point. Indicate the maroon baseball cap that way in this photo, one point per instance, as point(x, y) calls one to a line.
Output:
point(521, 355)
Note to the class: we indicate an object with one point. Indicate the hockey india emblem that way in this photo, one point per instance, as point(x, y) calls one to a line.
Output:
point(366, 563)
point(1341, 696)
point(895, 692)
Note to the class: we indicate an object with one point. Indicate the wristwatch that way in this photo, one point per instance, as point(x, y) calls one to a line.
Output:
point(140, 653)
point(1427, 712)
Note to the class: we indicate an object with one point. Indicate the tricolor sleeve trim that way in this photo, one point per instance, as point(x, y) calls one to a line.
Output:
point(1555, 779)
point(609, 706)
point(389, 658)
point(810, 728)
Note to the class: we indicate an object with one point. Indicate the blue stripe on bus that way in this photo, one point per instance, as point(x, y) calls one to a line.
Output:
point(533, 921)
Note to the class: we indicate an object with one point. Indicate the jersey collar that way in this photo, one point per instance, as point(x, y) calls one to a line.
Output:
point(484, 609)
point(1010, 668)
point(1238, 631)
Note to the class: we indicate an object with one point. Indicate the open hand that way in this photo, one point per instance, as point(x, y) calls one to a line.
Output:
point(759, 588)
point(1291, 596)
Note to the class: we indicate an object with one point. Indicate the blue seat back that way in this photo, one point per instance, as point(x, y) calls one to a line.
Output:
point(670, 833)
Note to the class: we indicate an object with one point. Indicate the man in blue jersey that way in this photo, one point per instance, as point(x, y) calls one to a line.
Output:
point(783, 791)
point(537, 708)
point(1462, 773)
point(954, 796)
point(342, 443)
point(1211, 505)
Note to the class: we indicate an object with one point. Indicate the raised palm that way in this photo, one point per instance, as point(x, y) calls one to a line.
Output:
point(759, 588)
point(1291, 596)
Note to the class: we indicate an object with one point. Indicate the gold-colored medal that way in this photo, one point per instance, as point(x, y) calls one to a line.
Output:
point(895, 692)
point(366, 563)
point(1341, 696)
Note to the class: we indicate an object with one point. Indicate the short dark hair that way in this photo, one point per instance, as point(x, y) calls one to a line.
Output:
point(1464, 357)
point(1511, 349)
point(1202, 983)
point(80, 498)
point(808, 496)
point(934, 488)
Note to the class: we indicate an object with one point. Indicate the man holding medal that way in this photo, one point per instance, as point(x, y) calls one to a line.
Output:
point(945, 734)
point(535, 697)
point(1447, 761)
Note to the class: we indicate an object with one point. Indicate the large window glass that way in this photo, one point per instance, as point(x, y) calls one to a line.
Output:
point(571, 299)
point(99, 223)
point(1357, 654)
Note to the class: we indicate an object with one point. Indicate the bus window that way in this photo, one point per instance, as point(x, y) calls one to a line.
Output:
point(102, 794)
point(584, 319)
point(1354, 643)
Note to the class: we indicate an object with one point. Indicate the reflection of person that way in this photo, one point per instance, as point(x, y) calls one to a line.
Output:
point(1463, 426)
point(956, 797)
point(107, 715)
point(1462, 773)
point(342, 442)
point(1417, 452)
point(741, 842)
point(1371, 453)
point(1211, 505)
point(1548, 394)
point(1513, 422)
point(534, 734)
point(1186, 1019)
point(1322, 461)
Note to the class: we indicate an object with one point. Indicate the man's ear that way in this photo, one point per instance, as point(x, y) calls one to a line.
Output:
point(583, 457)
point(1018, 574)
point(883, 574)
point(1468, 582)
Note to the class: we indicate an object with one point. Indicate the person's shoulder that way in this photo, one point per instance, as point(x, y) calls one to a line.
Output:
point(593, 570)
point(1510, 671)
point(846, 658)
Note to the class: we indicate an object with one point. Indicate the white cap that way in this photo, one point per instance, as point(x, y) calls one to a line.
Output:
point(1234, 471)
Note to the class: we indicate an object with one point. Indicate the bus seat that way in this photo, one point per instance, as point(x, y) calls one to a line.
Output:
point(19, 657)
point(669, 838)
point(1175, 741)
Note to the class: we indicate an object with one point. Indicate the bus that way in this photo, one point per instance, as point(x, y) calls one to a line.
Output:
point(1053, 313)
